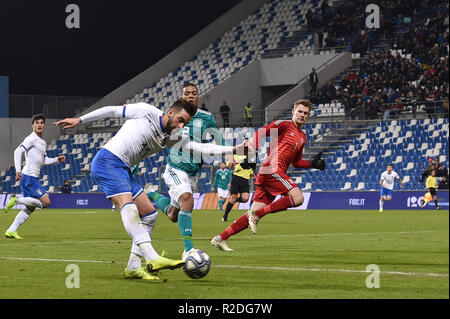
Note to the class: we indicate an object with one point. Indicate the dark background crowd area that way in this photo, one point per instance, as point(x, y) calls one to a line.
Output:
point(387, 81)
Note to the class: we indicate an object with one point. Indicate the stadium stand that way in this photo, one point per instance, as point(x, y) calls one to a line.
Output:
point(357, 151)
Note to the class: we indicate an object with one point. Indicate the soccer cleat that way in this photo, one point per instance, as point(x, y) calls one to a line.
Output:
point(12, 234)
point(422, 202)
point(11, 203)
point(139, 273)
point(163, 263)
point(221, 244)
point(438, 207)
point(224, 219)
point(252, 220)
point(187, 253)
point(380, 210)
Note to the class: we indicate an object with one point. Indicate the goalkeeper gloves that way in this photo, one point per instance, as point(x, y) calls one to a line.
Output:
point(317, 162)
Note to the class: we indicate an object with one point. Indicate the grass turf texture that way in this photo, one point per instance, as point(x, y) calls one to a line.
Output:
point(294, 255)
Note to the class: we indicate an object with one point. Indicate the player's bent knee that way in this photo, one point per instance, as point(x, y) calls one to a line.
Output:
point(45, 201)
point(299, 200)
point(297, 196)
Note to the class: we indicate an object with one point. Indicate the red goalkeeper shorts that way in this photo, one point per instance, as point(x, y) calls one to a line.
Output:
point(269, 186)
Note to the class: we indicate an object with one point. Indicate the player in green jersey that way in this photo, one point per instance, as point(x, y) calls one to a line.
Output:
point(183, 168)
point(222, 179)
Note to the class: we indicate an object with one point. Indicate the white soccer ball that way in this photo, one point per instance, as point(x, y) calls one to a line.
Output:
point(197, 264)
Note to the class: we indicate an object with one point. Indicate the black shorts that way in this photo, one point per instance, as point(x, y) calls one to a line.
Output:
point(239, 185)
point(433, 191)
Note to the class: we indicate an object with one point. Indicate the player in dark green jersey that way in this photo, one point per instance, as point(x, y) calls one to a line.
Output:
point(222, 179)
point(183, 168)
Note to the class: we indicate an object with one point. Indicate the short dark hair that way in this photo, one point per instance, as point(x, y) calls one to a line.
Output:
point(190, 84)
point(390, 165)
point(37, 117)
point(190, 108)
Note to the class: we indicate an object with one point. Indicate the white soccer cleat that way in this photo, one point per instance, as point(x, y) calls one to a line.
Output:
point(252, 220)
point(187, 253)
point(221, 244)
point(380, 210)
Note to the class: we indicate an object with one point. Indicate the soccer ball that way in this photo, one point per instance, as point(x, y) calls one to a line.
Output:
point(197, 264)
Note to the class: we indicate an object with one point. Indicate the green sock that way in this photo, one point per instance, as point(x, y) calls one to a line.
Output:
point(221, 201)
point(185, 224)
point(160, 200)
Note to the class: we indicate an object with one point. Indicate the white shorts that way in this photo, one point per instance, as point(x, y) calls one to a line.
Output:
point(222, 192)
point(179, 182)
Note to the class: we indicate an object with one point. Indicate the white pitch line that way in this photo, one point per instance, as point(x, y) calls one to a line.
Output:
point(334, 270)
point(59, 260)
point(401, 273)
point(127, 241)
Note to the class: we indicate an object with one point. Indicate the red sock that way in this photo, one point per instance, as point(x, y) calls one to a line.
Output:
point(240, 224)
point(282, 204)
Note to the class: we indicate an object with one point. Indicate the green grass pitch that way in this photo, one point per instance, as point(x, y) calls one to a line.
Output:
point(294, 255)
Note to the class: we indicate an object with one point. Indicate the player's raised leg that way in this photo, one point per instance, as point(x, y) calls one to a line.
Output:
point(35, 197)
point(30, 205)
point(294, 198)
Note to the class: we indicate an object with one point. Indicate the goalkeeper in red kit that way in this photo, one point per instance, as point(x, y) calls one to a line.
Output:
point(286, 148)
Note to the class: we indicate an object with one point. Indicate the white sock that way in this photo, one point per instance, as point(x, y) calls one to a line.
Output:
point(134, 262)
point(148, 251)
point(30, 202)
point(135, 228)
point(381, 203)
point(21, 218)
point(148, 221)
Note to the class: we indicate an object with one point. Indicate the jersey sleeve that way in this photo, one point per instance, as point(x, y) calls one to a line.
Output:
point(129, 111)
point(27, 143)
point(299, 162)
point(50, 160)
point(18, 154)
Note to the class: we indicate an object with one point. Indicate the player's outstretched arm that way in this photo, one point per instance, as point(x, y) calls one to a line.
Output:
point(18, 155)
point(214, 149)
point(99, 114)
point(68, 123)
